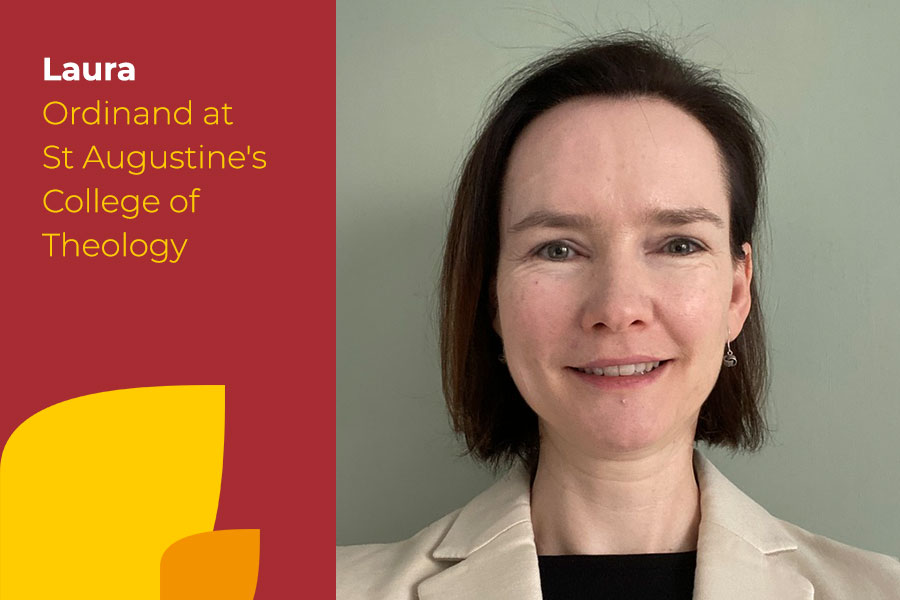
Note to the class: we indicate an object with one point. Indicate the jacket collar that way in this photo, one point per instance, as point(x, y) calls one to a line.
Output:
point(494, 542)
point(740, 546)
point(491, 546)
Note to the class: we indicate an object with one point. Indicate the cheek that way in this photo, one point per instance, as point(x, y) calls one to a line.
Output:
point(532, 325)
point(535, 313)
point(696, 317)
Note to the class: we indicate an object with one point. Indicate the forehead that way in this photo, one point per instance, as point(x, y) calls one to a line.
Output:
point(596, 155)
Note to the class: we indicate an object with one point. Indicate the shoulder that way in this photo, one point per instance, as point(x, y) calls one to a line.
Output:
point(739, 541)
point(841, 570)
point(475, 548)
point(391, 571)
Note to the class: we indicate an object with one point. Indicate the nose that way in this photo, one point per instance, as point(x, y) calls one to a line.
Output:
point(616, 296)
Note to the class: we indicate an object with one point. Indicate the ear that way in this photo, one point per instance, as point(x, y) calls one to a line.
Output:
point(739, 307)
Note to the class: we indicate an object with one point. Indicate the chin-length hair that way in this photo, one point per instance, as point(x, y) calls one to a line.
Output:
point(485, 406)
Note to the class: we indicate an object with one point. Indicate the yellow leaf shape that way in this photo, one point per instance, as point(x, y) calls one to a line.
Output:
point(94, 489)
point(221, 564)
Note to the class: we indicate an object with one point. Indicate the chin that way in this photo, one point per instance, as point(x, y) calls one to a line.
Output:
point(630, 438)
point(635, 445)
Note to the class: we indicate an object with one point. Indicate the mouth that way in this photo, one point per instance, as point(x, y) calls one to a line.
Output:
point(627, 370)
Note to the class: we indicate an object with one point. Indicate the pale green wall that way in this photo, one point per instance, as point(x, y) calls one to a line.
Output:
point(412, 80)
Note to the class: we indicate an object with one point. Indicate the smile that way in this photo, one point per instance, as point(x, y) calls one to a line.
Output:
point(622, 370)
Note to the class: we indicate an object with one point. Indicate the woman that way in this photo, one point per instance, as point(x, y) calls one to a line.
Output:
point(600, 315)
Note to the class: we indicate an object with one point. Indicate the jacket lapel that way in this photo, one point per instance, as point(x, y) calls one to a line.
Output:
point(490, 548)
point(504, 569)
point(740, 546)
point(491, 555)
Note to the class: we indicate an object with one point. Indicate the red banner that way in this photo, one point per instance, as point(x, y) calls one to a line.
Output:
point(169, 221)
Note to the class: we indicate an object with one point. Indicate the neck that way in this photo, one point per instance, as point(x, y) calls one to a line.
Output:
point(634, 504)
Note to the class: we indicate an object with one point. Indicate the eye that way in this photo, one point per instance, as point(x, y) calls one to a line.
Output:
point(683, 247)
point(557, 251)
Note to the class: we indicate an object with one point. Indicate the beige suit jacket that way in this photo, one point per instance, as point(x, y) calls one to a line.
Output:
point(486, 551)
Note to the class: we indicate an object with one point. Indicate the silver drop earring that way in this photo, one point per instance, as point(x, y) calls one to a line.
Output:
point(502, 358)
point(730, 359)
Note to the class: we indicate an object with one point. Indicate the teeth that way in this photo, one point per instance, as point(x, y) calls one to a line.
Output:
point(623, 370)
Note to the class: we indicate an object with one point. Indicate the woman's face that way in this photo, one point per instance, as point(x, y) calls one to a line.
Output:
point(614, 250)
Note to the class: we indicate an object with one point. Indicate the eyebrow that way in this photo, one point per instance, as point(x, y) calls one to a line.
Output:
point(546, 218)
point(667, 216)
point(684, 216)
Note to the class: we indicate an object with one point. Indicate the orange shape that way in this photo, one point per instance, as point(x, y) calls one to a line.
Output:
point(218, 564)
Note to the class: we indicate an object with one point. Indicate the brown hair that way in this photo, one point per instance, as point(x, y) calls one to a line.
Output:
point(484, 403)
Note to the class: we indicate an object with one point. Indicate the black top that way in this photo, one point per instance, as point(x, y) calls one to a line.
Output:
point(618, 576)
